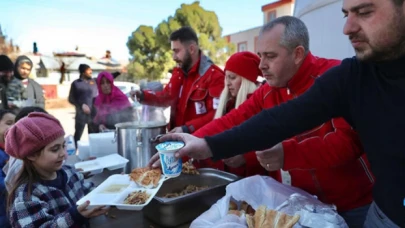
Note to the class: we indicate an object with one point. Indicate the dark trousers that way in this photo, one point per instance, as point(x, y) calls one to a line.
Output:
point(81, 119)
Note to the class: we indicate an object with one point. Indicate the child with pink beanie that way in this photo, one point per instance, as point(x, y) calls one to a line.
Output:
point(45, 191)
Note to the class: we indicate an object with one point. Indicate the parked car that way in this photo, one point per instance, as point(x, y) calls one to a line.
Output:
point(126, 88)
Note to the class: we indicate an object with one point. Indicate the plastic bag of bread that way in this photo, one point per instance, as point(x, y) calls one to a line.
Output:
point(256, 191)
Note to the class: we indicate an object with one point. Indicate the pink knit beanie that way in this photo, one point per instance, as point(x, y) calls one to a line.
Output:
point(32, 133)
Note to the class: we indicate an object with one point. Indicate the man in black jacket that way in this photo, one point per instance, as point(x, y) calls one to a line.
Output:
point(367, 90)
point(81, 95)
point(6, 75)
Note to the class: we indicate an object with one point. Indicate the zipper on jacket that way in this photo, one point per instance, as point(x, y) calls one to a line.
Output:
point(321, 194)
point(366, 170)
point(289, 93)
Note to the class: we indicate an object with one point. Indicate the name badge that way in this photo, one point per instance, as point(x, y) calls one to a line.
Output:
point(215, 103)
point(200, 107)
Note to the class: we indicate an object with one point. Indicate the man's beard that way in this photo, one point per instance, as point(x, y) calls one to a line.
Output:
point(395, 49)
point(186, 64)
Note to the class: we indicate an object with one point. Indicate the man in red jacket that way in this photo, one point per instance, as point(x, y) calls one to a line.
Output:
point(290, 69)
point(194, 88)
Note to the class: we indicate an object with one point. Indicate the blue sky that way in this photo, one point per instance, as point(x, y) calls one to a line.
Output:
point(97, 25)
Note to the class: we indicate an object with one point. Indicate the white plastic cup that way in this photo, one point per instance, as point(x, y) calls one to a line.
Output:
point(171, 166)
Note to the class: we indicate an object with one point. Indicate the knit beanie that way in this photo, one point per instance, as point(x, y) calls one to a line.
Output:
point(83, 68)
point(6, 64)
point(31, 134)
point(245, 64)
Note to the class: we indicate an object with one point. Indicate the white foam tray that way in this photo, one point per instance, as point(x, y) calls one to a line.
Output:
point(96, 166)
point(99, 196)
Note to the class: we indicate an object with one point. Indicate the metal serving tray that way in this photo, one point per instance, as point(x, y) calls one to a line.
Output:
point(171, 212)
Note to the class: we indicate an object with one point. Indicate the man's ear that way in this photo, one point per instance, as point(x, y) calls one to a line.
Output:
point(299, 54)
point(192, 48)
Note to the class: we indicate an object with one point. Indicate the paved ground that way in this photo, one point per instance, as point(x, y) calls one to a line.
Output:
point(67, 117)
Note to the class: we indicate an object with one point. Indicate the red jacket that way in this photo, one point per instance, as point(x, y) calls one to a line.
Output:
point(249, 169)
point(327, 161)
point(190, 96)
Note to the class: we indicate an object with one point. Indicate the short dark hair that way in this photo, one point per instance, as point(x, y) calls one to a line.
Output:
point(3, 112)
point(398, 2)
point(27, 110)
point(184, 34)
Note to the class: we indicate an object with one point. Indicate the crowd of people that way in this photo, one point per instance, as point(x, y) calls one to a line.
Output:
point(99, 104)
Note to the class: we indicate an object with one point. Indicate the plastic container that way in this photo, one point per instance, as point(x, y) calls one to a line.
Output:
point(70, 145)
point(83, 150)
point(114, 191)
point(96, 166)
point(102, 144)
point(171, 166)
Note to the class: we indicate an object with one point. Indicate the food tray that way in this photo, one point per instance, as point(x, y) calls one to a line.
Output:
point(172, 212)
point(114, 190)
point(96, 166)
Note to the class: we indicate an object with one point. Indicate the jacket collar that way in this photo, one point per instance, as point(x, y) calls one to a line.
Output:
point(303, 77)
point(201, 66)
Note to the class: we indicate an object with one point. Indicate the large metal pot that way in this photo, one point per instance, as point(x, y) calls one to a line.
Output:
point(135, 141)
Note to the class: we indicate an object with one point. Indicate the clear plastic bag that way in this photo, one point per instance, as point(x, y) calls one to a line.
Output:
point(263, 190)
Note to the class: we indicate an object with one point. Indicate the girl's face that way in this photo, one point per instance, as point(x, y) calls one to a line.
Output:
point(233, 82)
point(51, 158)
point(5, 123)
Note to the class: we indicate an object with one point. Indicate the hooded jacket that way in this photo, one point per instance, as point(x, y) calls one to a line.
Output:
point(32, 91)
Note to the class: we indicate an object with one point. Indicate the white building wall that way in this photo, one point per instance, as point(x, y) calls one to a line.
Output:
point(284, 10)
point(325, 22)
point(247, 36)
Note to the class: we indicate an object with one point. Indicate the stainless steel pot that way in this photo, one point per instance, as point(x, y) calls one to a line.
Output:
point(136, 142)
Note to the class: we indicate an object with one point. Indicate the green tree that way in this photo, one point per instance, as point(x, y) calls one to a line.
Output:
point(206, 25)
point(151, 48)
point(149, 59)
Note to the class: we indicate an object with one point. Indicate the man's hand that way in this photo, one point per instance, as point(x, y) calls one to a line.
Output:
point(102, 127)
point(272, 159)
point(177, 130)
point(11, 105)
point(86, 109)
point(235, 162)
point(135, 95)
point(194, 147)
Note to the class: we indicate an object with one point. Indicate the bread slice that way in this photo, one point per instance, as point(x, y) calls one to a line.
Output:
point(250, 220)
point(233, 205)
point(236, 212)
point(287, 221)
point(146, 177)
point(270, 219)
point(264, 218)
point(260, 216)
